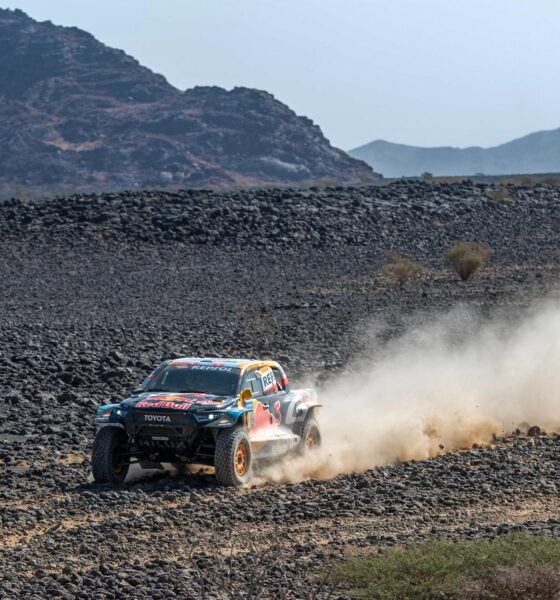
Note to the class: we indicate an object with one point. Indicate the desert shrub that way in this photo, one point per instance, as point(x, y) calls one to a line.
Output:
point(500, 194)
point(526, 180)
point(399, 269)
point(552, 180)
point(456, 570)
point(427, 177)
point(467, 258)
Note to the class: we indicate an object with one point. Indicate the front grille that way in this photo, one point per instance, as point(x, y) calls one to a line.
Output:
point(153, 418)
point(159, 431)
point(179, 424)
point(158, 445)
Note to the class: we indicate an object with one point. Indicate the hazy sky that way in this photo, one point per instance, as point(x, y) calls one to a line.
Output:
point(424, 72)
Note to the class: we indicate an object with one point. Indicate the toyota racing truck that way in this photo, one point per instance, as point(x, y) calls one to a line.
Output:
point(224, 413)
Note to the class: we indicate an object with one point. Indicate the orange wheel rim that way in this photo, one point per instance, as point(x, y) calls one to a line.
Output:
point(241, 460)
point(311, 440)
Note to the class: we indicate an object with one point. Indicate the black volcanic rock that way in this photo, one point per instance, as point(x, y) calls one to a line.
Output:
point(98, 289)
point(77, 114)
point(419, 219)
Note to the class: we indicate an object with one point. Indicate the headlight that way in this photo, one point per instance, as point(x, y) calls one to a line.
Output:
point(203, 417)
point(120, 413)
point(102, 417)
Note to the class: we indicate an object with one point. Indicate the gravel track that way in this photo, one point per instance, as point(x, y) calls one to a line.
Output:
point(89, 305)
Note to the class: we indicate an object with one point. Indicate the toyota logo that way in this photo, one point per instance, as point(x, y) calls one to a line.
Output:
point(158, 418)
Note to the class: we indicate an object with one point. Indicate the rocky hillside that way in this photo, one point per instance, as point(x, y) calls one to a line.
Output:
point(535, 153)
point(75, 114)
point(376, 219)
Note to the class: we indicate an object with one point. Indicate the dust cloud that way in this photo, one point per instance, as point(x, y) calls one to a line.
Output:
point(446, 385)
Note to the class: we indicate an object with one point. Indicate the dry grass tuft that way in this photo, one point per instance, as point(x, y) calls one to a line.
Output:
point(516, 583)
point(400, 269)
point(467, 258)
point(500, 194)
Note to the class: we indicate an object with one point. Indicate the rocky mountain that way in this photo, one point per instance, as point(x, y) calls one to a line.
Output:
point(75, 113)
point(535, 153)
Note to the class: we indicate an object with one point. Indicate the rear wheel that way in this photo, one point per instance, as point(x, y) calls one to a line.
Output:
point(107, 464)
point(310, 437)
point(233, 459)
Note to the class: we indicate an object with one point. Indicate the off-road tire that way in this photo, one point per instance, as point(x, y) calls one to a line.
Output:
point(230, 443)
point(107, 440)
point(310, 437)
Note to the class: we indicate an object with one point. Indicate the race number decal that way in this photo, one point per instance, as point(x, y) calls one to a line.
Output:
point(267, 378)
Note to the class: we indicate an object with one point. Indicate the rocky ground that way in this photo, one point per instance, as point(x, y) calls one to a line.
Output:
point(96, 290)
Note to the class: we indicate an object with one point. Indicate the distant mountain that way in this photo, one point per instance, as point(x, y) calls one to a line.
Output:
point(535, 153)
point(75, 113)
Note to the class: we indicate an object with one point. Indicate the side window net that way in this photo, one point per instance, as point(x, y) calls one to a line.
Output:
point(253, 383)
point(278, 378)
point(256, 386)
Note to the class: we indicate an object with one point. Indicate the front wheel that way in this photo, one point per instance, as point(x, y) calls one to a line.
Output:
point(310, 437)
point(233, 459)
point(107, 464)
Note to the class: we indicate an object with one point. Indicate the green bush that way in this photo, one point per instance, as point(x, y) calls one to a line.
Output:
point(457, 571)
point(467, 258)
point(400, 269)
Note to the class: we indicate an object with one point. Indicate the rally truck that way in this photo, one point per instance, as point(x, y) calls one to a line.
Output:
point(230, 414)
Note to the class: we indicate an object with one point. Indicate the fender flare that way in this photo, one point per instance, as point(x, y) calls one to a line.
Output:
point(235, 414)
point(307, 413)
point(113, 424)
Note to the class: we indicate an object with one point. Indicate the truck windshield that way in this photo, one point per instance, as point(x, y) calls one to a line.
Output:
point(217, 381)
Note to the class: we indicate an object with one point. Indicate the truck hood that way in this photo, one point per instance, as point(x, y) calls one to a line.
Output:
point(161, 400)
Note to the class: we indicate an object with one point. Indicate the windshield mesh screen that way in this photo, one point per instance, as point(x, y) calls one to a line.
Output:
point(218, 381)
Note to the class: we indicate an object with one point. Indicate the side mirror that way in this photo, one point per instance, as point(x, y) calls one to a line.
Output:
point(245, 395)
